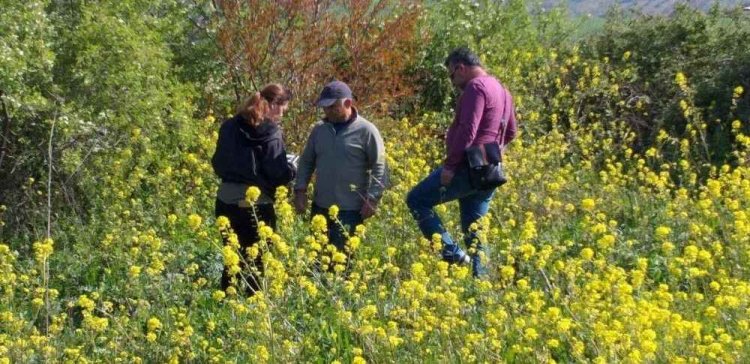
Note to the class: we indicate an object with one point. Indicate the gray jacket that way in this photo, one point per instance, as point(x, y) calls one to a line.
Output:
point(350, 164)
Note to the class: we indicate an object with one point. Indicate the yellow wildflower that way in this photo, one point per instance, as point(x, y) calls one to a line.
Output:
point(252, 194)
point(218, 295)
point(333, 211)
point(194, 221)
point(153, 324)
point(222, 222)
point(588, 204)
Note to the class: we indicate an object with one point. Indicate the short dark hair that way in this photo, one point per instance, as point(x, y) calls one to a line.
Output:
point(464, 56)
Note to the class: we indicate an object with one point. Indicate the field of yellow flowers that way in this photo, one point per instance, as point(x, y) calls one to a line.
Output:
point(596, 253)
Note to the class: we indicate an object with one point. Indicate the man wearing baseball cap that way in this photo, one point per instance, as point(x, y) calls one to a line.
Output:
point(348, 155)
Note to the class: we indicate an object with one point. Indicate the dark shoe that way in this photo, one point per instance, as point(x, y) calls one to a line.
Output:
point(460, 258)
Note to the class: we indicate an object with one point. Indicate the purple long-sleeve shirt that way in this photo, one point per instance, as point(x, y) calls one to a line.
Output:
point(485, 113)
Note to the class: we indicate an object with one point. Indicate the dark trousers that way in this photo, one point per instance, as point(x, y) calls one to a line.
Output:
point(244, 223)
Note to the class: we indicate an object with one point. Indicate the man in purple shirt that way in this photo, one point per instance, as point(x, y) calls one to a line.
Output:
point(484, 114)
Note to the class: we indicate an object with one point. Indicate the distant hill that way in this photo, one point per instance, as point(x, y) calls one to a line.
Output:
point(664, 7)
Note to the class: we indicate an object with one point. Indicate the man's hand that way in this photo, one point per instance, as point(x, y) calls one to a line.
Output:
point(446, 176)
point(368, 208)
point(300, 201)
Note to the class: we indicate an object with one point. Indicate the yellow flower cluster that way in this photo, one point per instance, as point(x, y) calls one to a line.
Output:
point(42, 250)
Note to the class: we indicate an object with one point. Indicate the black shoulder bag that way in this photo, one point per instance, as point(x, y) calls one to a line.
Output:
point(485, 166)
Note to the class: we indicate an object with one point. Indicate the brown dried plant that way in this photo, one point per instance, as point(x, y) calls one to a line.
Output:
point(304, 44)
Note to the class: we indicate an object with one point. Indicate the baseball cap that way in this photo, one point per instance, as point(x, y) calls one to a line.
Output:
point(333, 91)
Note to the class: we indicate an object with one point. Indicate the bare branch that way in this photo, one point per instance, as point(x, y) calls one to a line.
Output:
point(49, 178)
point(6, 129)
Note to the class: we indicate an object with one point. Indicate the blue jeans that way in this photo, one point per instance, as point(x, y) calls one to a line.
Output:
point(473, 205)
point(336, 234)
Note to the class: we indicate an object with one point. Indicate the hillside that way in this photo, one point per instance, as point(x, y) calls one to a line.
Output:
point(664, 7)
point(621, 236)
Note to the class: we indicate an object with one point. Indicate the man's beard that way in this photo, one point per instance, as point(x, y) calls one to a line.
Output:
point(337, 118)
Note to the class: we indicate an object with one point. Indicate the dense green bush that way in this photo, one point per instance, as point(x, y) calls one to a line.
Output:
point(708, 48)
point(497, 32)
point(99, 72)
point(27, 107)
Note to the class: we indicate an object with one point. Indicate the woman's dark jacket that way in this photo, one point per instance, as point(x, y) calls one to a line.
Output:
point(255, 156)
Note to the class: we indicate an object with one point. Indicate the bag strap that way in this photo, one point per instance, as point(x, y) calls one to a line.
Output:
point(505, 118)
